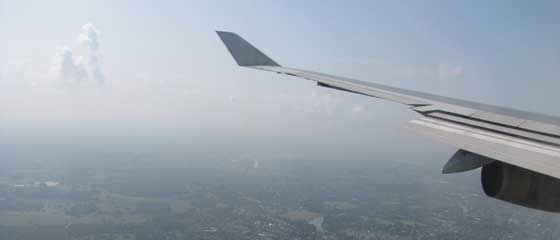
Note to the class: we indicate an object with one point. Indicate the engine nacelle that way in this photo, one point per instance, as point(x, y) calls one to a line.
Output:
point(521, 186)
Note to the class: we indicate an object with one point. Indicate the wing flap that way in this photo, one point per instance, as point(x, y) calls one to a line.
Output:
point(522, 153)
point(536, 126)
point(497, 128)
point(497, 118)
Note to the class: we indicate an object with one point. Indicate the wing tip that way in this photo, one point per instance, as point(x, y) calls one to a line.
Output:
point(244, 53)
point(222, 33)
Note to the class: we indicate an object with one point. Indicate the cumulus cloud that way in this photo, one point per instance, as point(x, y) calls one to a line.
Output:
point(68, 67)
point(89, 37)
point(73, 68)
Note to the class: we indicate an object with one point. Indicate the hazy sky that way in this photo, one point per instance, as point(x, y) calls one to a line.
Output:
point(157, 67)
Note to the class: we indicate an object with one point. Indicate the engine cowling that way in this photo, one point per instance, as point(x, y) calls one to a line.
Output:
point(521, 186)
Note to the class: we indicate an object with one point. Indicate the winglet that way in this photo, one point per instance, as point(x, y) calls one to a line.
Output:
point(244, 53)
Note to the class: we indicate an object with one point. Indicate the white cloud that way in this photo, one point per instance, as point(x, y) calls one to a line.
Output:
point(73, 68)
point(67, 67)
point(89, 37)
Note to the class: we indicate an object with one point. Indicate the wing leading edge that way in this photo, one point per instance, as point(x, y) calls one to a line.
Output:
point(524, 139)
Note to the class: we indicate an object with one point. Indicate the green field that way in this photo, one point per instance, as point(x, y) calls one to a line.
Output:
point(341, 205)
point(110, 207)
point(301, 215)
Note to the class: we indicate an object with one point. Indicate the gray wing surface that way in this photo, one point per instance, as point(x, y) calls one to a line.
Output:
point(525, 139)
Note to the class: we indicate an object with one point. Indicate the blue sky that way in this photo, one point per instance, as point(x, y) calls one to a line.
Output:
point(164, 68)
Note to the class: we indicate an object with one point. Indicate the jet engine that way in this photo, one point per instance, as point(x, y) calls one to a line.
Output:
point(521, 186)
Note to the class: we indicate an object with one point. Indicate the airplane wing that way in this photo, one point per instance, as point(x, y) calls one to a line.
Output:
point(483, 133)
